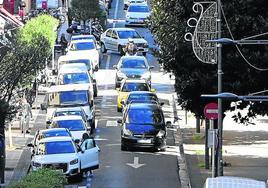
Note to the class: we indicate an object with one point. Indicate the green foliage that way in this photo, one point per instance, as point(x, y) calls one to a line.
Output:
point(193, 78)
point(45, 178)
point(85, 9)
point(41, 26)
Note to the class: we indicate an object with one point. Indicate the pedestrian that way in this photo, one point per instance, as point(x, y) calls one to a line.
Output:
point(26, 115)
point(64, 43)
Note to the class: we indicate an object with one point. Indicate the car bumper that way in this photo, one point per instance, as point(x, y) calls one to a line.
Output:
point(134, 142)
point(141, 22)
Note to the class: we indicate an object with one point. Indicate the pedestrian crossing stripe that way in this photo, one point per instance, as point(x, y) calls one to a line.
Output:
point(111, 124)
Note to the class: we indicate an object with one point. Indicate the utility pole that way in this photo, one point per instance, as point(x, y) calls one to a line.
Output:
point(219, 61)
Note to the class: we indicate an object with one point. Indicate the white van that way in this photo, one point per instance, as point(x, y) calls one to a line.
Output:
point(72, 95)
point(233, 182)
point(76, 73)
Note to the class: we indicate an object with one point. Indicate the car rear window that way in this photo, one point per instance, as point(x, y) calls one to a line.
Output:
point(128, 87)
point(144, 116)
point(84, 46)
point(76, 78)
point(138, 9)
point(72, 125)
point(133, 63)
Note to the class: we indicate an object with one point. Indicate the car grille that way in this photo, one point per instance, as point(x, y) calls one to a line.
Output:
point(134, 76)
point(57, 166)
point(144, 135)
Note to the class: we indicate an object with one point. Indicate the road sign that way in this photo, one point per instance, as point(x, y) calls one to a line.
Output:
point(211, 111)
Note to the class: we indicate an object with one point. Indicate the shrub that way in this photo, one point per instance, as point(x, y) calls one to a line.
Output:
point(45, 178)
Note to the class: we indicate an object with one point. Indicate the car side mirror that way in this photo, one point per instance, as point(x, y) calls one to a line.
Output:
point(77, 141)
point(96, 68)
point(119, 121)
point(153, 90)
point(123, 102)
point(88, 129)
point(43, 106)
point(30, 145)
point(162, 103)
point(54, 72)
point(117, 89)
point(49, 122)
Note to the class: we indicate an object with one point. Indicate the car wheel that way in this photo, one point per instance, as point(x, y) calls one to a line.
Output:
point(121, 50)
point(144, 53)
point(123, 148)
point(103, 48)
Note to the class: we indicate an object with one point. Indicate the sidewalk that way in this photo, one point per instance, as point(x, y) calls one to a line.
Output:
point(245, 150)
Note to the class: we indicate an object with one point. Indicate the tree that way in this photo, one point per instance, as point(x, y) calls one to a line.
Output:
point(24, 57)
point(85, 9)
point(193, 78)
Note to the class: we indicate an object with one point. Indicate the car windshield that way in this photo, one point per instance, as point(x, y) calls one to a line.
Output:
point(58, 147)
point(142, 97)
point(84, 38)
point(72, 125)
point(133, 63)
point(68, 113)
point(52, 133)
point(128, 87)
point(76, 78)
point(74, 97)
point(128, 34)
point(85, 61)
point(84, 46)
point(144, 116)
point(138, 9)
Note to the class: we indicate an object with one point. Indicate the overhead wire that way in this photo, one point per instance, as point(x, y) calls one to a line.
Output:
point(238, 49)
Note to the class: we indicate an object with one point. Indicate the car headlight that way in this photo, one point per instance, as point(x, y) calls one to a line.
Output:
point(75, 161)
point(161, 133)
point(121, 75)
point(36, 164)
point(145, 45)
point(146, 75)
point(127, 132)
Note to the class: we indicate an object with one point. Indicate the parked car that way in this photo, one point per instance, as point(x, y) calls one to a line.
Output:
point(130, 85)
point(128, 2)
point(137, 14)
point(76, 73)
point(63, 154)
point(143, 125)
point(132, 67)
point(229, 181)
point(46, 133)
point(73, 95)
point(75, 124)
point(88, 47)
point(116, 39)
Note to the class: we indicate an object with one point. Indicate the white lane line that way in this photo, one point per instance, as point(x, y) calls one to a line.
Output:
point(111, 124)
point(115, 12)
point(104, 98)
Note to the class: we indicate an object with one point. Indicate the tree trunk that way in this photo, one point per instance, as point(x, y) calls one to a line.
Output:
point(197, 124)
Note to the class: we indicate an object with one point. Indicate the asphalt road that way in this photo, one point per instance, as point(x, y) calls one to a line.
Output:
point(155, 169)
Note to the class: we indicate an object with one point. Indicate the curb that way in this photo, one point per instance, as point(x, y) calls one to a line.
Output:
point(181, 161)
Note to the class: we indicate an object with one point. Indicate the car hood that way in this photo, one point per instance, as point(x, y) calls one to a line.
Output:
point(142, 129)
point(136, 41)
point(77, 134)
point(55, 158)
point(138, 14)
point(131, 71)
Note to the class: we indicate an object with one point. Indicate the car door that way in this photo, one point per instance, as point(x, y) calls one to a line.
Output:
point(114, 41)
point(89, 156)
point(108, 39)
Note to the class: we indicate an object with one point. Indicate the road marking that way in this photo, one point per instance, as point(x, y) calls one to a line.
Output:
point(111, 124)
point(135, 164)
point(116, 11)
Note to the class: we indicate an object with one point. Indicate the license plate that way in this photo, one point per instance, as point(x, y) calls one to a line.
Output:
point(145, 141)
point(59, 170)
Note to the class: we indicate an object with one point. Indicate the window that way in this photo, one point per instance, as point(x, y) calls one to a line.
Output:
point(128, 34)
point(133, 63)
point(58, 147)
point(109, 33)
point(75, 78)
point(141, 97)
point(128, 87)
point(74, 97)
point(144, 116)
point(84, 46)
point(88, 144)
point(72, 125)
point(114, 35)
point(138, 9)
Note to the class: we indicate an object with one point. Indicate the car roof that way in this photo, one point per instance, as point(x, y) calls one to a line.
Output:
point(235, 182)
point(69, 117)
point(82, 41)
point(53, 130)
point(73, 56)
point(138, 4)
point(78, 108)
point(73, 68)
point(56, 139)
point(144, 105)
point(134, 81)
point(83, 36)
point(138, 57)
point(123, 29)
point(68, 87)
